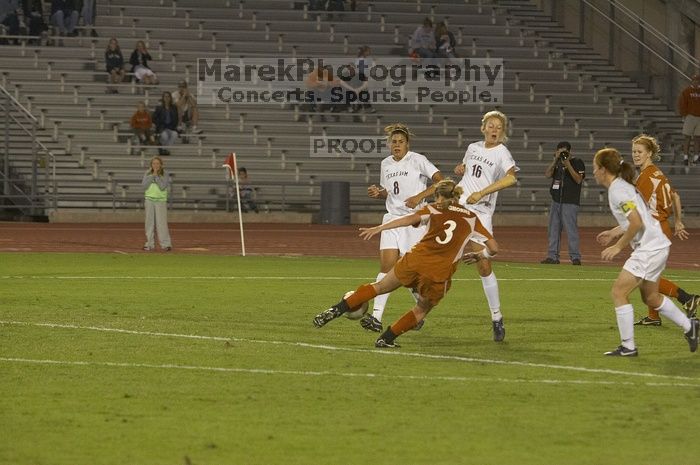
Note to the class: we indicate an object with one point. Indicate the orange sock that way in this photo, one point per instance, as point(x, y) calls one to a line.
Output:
point(363, 294)
point(406, 322)
point(668, 288)
point(653, 314)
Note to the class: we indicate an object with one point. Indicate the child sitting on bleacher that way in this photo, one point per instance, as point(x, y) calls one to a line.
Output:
point(141, 124)
point(114, 63)
point(247, 192)
point(139, 65)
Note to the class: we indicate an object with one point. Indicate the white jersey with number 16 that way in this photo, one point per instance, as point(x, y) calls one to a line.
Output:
point(483, 167)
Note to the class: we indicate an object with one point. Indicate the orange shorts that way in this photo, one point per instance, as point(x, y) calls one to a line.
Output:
point(410, 276)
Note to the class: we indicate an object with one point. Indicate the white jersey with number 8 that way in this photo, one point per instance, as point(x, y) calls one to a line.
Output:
point(403, 179)
point(483, 167)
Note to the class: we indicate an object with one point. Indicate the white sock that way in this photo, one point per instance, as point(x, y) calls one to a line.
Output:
point(625, 324)
point(380, 301)
point(490, 285)
point(669, 310)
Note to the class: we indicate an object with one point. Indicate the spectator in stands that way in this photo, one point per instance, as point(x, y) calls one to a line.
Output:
point(166, 121)
point(187, 110)
point(247, 191)
point(689, 108)
point(321, 82)
point(9, 17)
point(335, 5)
point(423, 40)
point(567, 173)
point(114, 62)
point(445, 42)
point(356, 97)
point(155, 184)
point(315, 5)
point(88, 13)
point(141, 123)
point(64, 16)
point(139, 65)
point(34, 18)
point(364, 61)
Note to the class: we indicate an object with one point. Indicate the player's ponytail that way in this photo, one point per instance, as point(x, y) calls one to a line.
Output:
point(447, 192)
point(611, 160)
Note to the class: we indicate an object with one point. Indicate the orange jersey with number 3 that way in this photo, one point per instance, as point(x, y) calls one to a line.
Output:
point(655, 189)
point(438, 252)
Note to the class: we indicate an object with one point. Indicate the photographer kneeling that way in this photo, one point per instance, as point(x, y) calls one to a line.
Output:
point(567, 173)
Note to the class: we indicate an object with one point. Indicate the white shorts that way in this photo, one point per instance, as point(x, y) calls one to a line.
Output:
point(647, 265)
point(486, 221)
point(401, 239)
point(141, 71)
point(691, 126)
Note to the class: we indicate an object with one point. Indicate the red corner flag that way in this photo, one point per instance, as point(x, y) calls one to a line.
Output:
point(230, 163)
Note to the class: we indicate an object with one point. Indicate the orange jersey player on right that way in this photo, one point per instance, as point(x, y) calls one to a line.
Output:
point(428, 267)
point(663, 201)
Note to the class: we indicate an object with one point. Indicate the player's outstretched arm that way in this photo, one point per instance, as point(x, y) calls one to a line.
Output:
point(368, 233)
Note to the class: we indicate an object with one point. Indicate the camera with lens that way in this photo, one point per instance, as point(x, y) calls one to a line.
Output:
point(564, 155)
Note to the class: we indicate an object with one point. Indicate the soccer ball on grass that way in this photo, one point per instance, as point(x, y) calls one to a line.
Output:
point(356, 314)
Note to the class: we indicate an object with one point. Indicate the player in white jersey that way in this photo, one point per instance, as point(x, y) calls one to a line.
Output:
point(638, 228)
point(487, 168)
point(404, 185)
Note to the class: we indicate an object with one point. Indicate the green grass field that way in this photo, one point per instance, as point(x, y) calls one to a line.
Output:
point(176, 359)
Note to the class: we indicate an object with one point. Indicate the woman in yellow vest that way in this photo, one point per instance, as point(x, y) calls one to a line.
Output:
point(155, 183)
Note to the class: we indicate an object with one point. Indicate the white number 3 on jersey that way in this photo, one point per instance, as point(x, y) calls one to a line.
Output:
point(451, 225)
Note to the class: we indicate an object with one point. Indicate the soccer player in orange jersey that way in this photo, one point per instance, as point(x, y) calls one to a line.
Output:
point(404, 187)
point(663, 201)
point(428, 267)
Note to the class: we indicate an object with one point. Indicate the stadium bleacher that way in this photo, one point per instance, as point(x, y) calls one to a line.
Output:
point(555, 88)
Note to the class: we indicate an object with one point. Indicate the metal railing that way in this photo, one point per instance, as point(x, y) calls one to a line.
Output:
point(35, 200)
point(657, 62)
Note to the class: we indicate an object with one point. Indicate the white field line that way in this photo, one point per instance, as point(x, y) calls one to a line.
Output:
point(263, 371)
point(349, 349)
point(280, 278)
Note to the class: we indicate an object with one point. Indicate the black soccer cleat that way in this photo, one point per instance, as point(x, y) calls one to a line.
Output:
point(383, 344)
point(691, 306)
point(622, 351)
point(324, 317)
point(646, 321)
point(499, 331)
point(370, 323)
point(693, 335)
